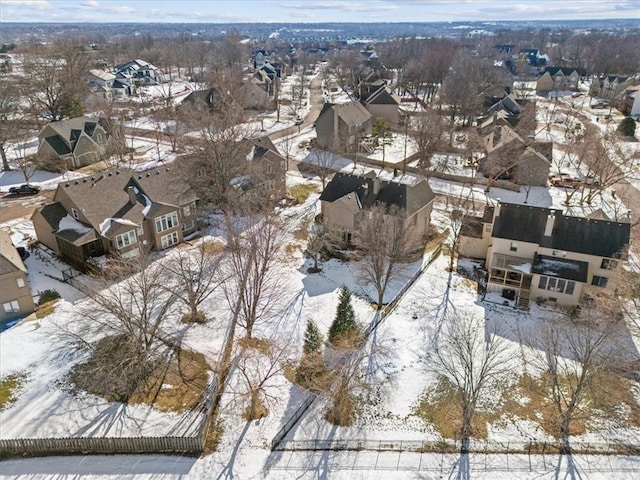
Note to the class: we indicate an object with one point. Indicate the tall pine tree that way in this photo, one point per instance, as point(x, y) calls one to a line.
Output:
point(344, 326)
point(312, 339)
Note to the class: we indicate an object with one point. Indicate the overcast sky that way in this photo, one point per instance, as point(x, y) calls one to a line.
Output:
point(257, 11)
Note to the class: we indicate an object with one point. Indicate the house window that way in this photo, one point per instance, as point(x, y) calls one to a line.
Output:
point(599, 281)
point(125, 239)
point(281, 164)
point(186, 211)
point(487, 228)
point(169, 240)
point(201, 172)
point(188, 225)
point(165, 222)
point(21, 283)
point(11, 307)
point(609, 264)
point(74, 212)
point(514, 246)
point(140, 232)
point(269, 169)
point(558, 285)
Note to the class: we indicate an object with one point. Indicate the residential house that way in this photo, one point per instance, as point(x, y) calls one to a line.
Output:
point(139, 72)
point(381, 103)
point(120, 213)
point(209, 99)
point(541, 253)
point(100, 80)
point(76, 142)
point(510, 156)
point(631, 101)
point(260, 57)
point(611, 86)
point(558, 79)
point(347, 197)
point(256, 93)
point(268, 167)
point(15, 295)
point(340, 127)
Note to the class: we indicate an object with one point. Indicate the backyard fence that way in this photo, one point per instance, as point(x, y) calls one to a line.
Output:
point(454, 446)
point(100, 445)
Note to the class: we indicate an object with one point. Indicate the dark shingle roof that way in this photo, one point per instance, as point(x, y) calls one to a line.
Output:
point(407, 197)
point(58, 145)
point(572, 234)
point(53, 213)
point(560, 267)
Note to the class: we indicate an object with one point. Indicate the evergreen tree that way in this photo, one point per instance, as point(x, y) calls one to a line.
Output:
point(312, 339)
point(344, 325)
point(627, 127)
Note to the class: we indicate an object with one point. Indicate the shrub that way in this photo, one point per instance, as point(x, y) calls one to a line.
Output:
point(46, 309)
point(627, 127)
point(302, 191)
point(47, 296)
point(199, 317)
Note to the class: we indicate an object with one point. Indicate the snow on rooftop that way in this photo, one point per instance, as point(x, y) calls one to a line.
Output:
point(69, 223)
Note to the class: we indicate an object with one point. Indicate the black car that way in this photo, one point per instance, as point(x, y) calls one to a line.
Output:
point(25, 189)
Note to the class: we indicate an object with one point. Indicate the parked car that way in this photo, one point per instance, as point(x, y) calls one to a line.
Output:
point(24, 189)
point(563, 180)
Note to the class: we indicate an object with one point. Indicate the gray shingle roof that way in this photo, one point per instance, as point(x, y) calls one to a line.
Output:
point(572, 234)
point(351, 113)
point(408, 198)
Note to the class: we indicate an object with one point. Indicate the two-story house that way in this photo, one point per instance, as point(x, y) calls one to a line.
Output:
point(558, 79)
point(347, 197)
point(540, 253)
point(15, 295)
point(120, 213)
point(75, 142)
point(340, 127)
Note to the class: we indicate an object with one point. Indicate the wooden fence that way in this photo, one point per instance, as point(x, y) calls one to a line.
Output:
point(100, 445)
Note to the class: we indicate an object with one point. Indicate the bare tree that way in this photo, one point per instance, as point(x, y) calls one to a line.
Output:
point(471, 362)
point(259, 367)
point(134, 311)
point(384, 242)
point(198, 275)
point(427, 130)
point(253, 252)
point(575, 353)
point(323, 164)
point(54, 83)
point(9, 110)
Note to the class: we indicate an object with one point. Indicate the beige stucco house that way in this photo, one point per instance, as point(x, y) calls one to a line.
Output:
point(15, 295)
point(121, 213)
point(347, 197)
point(540, 253)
